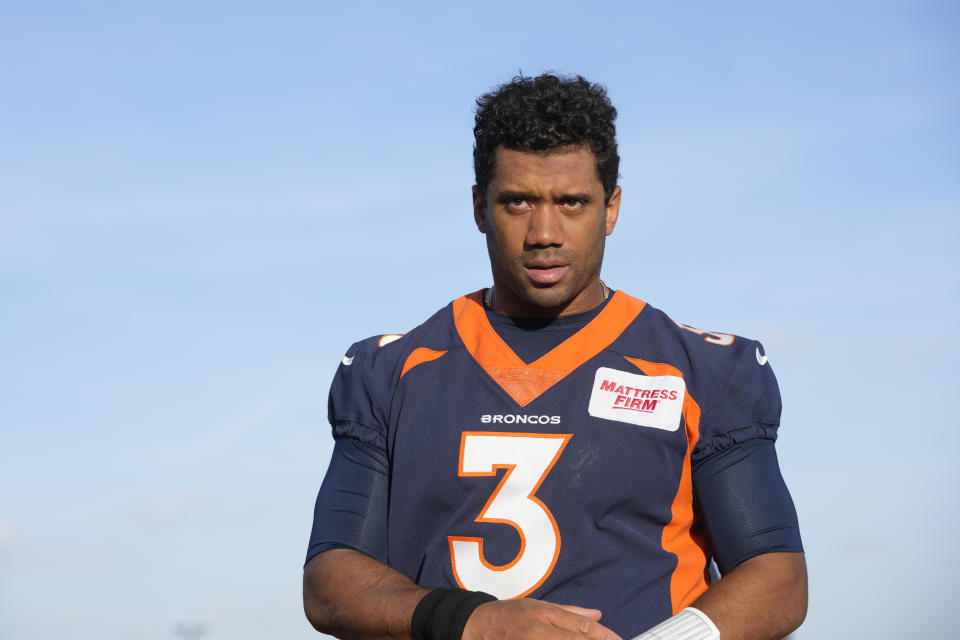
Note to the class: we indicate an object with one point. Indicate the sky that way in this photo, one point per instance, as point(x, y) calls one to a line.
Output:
point(202, 205)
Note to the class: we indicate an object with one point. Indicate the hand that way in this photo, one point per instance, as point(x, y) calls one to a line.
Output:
point(528, 619)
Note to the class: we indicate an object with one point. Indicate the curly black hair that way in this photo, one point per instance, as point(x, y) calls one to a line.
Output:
point(544, 113)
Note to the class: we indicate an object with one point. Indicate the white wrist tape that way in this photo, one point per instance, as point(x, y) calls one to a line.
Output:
point(689, 624)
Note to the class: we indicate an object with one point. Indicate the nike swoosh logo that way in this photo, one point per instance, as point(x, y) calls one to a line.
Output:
point(761, 359)
point(347, 361)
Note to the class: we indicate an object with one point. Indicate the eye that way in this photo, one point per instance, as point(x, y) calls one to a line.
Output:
point(572, 203)
point(517, 204)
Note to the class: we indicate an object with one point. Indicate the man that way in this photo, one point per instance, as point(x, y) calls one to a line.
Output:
point(547, 453)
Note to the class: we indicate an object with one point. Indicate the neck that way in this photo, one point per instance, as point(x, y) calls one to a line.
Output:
point(500, 305)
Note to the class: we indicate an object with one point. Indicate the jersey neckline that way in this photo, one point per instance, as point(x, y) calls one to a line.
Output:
point(558, 323)
point(525, 382)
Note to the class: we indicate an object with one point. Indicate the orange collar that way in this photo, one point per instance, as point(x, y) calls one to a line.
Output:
point(525, 382)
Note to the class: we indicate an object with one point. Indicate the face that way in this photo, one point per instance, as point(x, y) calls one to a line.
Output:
point(546, 222)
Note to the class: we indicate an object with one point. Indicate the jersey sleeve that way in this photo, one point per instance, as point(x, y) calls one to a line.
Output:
point(747, 405)
point(740, 492)
point(359, 402)
point(744, 504)
point(351, 507)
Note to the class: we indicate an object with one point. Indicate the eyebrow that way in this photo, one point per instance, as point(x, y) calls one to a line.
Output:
point(579, 195)
point(506, 196)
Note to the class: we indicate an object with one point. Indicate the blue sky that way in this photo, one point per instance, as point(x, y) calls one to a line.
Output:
point(202, 206)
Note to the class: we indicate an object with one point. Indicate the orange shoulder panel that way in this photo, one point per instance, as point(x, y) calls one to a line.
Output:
point(419, 356)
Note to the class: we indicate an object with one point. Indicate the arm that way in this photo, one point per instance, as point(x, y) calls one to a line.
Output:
point(752, 525)
point(763, 598)
point(350, 595)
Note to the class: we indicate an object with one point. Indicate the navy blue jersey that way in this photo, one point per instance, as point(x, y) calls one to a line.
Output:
point(567, 479)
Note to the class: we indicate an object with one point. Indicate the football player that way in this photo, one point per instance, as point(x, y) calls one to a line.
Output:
point(549, 457)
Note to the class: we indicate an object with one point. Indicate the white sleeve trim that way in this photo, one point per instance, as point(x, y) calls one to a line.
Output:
point(689, 624)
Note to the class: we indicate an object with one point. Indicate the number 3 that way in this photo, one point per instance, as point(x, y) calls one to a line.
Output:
point(528, 458)
point(722, 339)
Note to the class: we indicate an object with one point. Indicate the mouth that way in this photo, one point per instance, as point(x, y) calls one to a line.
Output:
point(545, 272)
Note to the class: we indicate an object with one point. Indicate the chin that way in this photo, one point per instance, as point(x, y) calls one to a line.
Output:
point(549, 297)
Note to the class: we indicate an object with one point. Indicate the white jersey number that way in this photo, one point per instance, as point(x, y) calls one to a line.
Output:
point(722, 339)
point(527, 458)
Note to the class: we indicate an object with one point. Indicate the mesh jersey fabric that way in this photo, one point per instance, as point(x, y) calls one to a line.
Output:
point(613, 419)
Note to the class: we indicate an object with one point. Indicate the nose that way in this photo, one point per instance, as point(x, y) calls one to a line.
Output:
point(545, 228)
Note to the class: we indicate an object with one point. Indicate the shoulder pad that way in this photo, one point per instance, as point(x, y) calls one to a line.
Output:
point(359, 401)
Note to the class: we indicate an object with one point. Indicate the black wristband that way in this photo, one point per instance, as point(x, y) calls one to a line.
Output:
point(421, 615)
point(442, 614)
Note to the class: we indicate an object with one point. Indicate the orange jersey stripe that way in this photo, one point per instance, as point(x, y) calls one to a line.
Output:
point(688, 581)
point(419, 356)
point(525, 382)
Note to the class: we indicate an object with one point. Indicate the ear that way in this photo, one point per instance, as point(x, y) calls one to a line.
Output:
point(479, 210)
point(613, 209)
